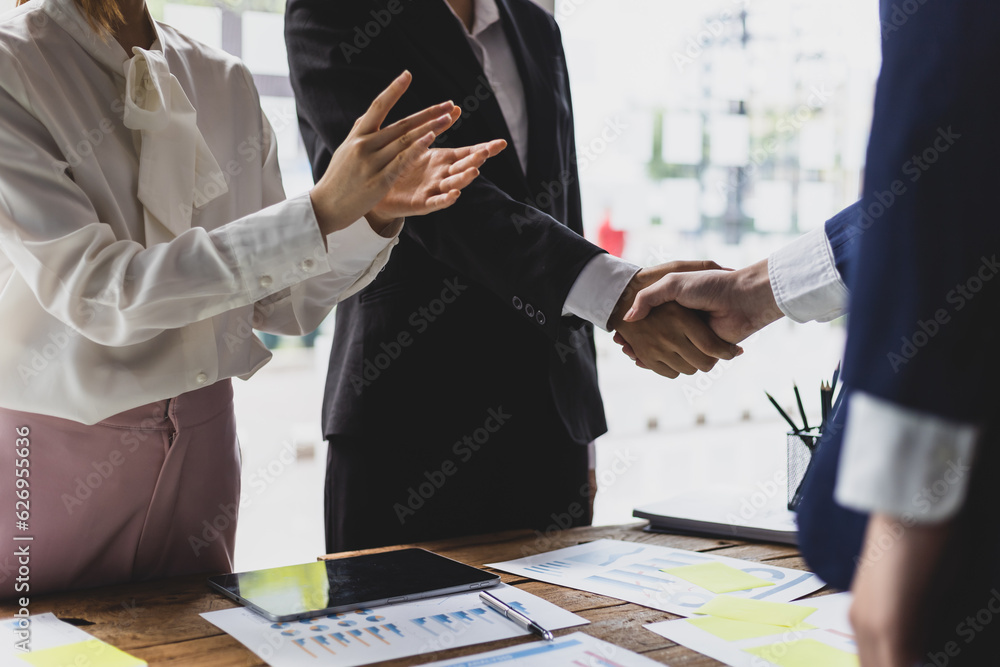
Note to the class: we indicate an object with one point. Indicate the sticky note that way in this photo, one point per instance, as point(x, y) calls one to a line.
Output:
point(92, 652)
point(718, 577)
point(756, 611)
point(732, 631)
point(805, 653)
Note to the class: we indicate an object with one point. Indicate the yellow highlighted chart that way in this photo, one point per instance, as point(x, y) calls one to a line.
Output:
point(731, 631)
point(756, 611)
point(718, 577)
point(92, 652)
point(804, 653)
point(746, 632)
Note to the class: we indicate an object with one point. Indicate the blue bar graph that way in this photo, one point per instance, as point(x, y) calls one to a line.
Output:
point(422, 624)
point(391, 627)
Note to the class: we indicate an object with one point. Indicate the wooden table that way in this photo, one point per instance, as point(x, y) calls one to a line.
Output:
point(160, 623)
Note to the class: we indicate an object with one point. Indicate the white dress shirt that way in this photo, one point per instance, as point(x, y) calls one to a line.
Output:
point(897, 461)
point(596, 291)
point(144, 232)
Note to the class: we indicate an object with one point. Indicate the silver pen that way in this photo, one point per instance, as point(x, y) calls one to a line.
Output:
point(514, 615)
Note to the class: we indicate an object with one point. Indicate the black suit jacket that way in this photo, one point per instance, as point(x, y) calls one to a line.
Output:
point(468, 311)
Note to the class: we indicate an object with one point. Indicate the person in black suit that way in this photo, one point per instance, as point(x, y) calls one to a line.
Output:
point(462, 391)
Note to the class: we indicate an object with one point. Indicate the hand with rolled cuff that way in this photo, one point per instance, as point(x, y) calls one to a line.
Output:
point(737, 303)
point(669, 339)
point(389, 173)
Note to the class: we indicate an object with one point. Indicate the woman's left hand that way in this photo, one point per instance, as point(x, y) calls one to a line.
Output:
point(890, 589)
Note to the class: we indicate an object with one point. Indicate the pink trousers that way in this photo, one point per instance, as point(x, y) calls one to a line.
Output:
point(148, 493)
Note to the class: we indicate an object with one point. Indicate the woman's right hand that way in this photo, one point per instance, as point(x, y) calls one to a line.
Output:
point(365, 167)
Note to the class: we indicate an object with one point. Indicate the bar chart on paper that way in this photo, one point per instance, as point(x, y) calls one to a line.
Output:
point(575, 650)
point(365, 636)
point(672, 580)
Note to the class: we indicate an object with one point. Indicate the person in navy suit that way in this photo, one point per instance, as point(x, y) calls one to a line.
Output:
point(915, 447)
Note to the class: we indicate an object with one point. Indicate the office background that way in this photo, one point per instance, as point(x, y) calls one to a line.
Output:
point(718, 129)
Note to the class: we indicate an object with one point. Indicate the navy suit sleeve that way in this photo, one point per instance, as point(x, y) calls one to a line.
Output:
point(843, 230)
point(925, 308)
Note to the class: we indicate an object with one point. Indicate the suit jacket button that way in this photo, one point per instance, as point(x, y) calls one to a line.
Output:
point(540, 317)
point(517, 303)
point(529, 310)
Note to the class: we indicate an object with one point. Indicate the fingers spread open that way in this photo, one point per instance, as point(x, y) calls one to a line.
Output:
point(387, 135)
point(398, 161)
point(438, 202)
point(405, 144)
point(372, 119)
point(477, 159)
point(494, 148)
point(459, 181)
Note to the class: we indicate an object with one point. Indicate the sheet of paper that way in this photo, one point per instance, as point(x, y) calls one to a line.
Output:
point(804, 653)
point(634, 572)
point(783, 614)
point(577, 649)
point(55, 643)
point(718, 577)
point(385, 633)
point(827, 624)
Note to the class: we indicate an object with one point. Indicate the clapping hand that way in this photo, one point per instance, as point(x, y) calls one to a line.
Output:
point(388, 173)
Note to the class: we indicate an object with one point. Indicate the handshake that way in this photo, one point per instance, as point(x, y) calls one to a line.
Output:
point(682, 317)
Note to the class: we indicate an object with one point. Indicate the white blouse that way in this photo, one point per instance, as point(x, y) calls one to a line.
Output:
point(144, 232)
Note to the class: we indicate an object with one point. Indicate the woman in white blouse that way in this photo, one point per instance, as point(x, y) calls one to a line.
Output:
point(144, 234)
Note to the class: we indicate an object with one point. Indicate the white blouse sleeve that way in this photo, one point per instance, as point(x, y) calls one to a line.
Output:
point(358, 251)
point(117, 292)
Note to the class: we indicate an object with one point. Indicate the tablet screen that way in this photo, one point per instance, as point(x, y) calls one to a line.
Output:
point(302, 591)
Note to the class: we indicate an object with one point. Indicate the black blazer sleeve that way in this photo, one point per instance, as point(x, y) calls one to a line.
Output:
point(515, 250)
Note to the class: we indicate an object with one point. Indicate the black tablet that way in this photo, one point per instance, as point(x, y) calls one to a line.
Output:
point(311, 589)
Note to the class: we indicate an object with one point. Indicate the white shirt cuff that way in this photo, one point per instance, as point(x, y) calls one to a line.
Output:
point(908, 464)
point(805, 280)
point(597, 289)
point(278, 247)
point(358, 247)
point(366, 253)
